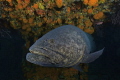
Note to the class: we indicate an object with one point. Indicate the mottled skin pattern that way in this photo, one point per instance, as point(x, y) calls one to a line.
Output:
point(64, 46)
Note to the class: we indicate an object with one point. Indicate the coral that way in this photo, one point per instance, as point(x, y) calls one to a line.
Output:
point(40, 12)
point(59, 21)
point(90, 2)
point(8, 9)
point(88, 23)
point(9, 1)
point(30, 20)
point(90, 11)
point(99, 15)
point(41, 5)
point(89, 30)
point(68, 10)
point(59, 3)
point(35, 6)
point(85, 2)
point(80, 26)
point(102, 1)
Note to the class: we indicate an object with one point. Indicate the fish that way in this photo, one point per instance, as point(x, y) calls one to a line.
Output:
point(65, 46)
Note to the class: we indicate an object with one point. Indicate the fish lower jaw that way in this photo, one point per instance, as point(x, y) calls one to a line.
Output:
point(38, 53)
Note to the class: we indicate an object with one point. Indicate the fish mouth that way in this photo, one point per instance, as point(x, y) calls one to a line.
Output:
point(40, 58)
point(40, 52)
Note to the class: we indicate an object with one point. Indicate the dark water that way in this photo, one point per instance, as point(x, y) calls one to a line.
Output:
point(11, 55)
point(107, 67)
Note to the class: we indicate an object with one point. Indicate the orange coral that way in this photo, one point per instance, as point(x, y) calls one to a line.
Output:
point(68, 10)
point(85, 2)
point(90, 2)
point(13, 24)
point(29, 11)
point(59, 3)
point(27, 1)
point(9, 1)
point(22, 4)
point(19, 1)
point(25, 26)
point(84, 10)
point(19, 6)
point(80, 26)
point(89, 30)
point(25, 20)
point(28, 29)
point(30, 20)
point(90, 11)
point(88, 23)
point(39, 23)
point(45, 1)
point(8, 9)
point(40, 12)
point(99, 15)
point(3, 15)
point(12, 15)
point(35, 6)
point(59, 21)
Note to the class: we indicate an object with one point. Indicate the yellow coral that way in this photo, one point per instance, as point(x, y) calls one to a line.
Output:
point(102, 1)
point(41, 6)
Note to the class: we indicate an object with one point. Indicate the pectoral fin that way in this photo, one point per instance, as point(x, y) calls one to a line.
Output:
point(92, 56)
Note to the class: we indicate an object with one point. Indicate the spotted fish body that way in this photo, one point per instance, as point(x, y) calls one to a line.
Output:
point(65, 46)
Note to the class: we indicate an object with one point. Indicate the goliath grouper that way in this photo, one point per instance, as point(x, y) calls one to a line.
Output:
point(65, 46)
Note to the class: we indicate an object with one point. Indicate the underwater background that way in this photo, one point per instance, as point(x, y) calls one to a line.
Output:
point(22, 22)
